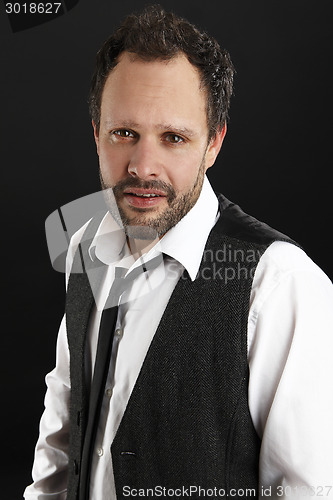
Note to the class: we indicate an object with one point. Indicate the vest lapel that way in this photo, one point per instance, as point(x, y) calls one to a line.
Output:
point(82, 288)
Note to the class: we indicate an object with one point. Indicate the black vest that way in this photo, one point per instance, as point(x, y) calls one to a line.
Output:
point(187, 423)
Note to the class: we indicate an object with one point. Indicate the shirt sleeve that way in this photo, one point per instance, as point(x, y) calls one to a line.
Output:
point(51, 454)
point(291, 374)
point(50, 466)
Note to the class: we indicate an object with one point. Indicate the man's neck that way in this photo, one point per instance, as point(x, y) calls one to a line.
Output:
point(139, 247)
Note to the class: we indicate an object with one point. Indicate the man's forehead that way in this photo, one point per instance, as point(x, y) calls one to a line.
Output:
point(179, 63)
point(166, 95)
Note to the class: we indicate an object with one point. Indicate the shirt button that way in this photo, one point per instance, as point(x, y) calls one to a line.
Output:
point(119, 332)
point(109, 392)
point(100, 452)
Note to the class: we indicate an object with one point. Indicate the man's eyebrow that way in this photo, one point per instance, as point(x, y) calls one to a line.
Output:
point(160, 126)
point(179, 130)
point(121, 124)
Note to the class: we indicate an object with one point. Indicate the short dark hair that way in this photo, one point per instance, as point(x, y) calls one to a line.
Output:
point(156, 34)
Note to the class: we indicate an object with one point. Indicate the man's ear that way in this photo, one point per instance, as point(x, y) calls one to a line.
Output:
point(96, 135)
point(215, 145)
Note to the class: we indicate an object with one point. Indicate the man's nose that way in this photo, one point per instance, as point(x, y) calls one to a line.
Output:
point(145, 161)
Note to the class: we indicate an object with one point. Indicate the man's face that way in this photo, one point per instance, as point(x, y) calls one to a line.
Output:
point(153, 140)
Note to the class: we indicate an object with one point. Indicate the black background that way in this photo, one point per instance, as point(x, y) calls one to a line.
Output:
point(274, 162)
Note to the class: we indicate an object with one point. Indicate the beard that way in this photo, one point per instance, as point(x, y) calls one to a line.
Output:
point(144, 226)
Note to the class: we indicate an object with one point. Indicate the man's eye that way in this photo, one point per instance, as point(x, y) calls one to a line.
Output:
point(174, 138)
point(123, 133)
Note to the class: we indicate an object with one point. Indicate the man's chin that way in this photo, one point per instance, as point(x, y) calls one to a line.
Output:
point(140, 224)
point(141, 232)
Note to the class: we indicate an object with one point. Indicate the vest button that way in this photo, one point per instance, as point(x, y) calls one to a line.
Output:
point(109, 392)
point(119, 332)
point(100, 452)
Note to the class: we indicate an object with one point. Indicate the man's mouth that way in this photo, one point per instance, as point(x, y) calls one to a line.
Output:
point(143, 198)
point(144, 192)
point(143, 195)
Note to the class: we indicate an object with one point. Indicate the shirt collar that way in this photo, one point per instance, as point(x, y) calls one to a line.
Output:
point(185, 242)
point(109, 242)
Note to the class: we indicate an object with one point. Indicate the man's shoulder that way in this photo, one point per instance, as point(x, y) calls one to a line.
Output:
point(238, 225)
point(285, 260)
point(285, 270)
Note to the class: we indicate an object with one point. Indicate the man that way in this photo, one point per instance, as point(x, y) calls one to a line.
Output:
point(175, 411)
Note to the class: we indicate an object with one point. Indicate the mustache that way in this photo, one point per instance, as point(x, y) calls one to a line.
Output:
point(119, 187)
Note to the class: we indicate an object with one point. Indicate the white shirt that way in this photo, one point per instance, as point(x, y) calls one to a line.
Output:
point(290, 346)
